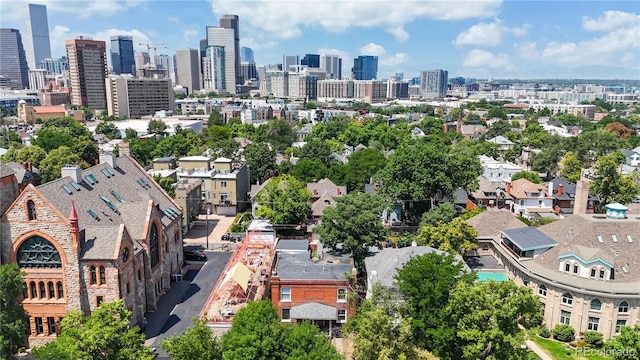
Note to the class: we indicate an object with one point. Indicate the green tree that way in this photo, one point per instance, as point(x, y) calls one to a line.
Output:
point(279, 133)
point(9, 138)
point(130, 133)
point(87, 149)
point(625, 343)
point(176, 146)
point(354, 225)
point(425, 282)
point(529, 175)
point(563, 332)
point(262, 162)
point(315, 149)
point(593, 144)
point(197, 342)
point(284, 200)
point(486, 316)
point(13, 318)
point(108, 129)
point(310, 105)
point(363, 164)
point(440, 214)
point(309, 170)
point(50, 167)
point(570, 167)
point(215, 118)
point(33, 154)
point(609, 185)
point(254, 333)
point(496, 112)
point(456, 235)
point(306, 341)
point(500, 127)
point(156, 126)
point(105, 334)
point(166, 183)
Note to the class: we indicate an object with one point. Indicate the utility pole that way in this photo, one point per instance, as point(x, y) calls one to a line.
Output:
point(207, 221)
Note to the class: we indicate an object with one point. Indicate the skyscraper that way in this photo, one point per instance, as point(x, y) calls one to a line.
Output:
point(165, 62)
point(225, 38)
point(232, 22)
point(122, 58)
point(188, 69)
point(37, 46)
point(141, 58)
point(246, 55)
point(213, 69)
point(365, 67)
point(332, 65)
point(87, 61)
point(13, 61)
point(289, 61)
point(54, 65)
point(311, 60)
point(433, 83)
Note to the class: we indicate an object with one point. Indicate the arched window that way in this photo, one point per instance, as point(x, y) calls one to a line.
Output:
point(37, 252)
point(525, 280)
point(51, 289)
point(154, 251)
point(60, 290)
point(25, 291)
point(593, 271)
point(596, 305)
point(43, 290)
point(485, 247)
point(542, 290)
point(33, 289)
point(567, 267)
point(567, 299)
point(94, 277)
point(623, 307)
point(31, 208)
point(103, 276)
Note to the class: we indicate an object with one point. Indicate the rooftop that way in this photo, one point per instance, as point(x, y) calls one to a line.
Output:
point(295, 265)
point(529, 238)
point(490, 223)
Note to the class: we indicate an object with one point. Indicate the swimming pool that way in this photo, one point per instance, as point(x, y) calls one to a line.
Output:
point(486, 276)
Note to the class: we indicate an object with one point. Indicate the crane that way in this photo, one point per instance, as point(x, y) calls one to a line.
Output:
point(154, 47)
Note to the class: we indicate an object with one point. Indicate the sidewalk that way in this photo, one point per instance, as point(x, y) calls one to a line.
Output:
point(538, 350)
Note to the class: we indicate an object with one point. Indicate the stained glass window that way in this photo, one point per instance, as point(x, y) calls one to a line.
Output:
point(31, 207)
point(103, 276)
point(154, 252)
point(37, 252)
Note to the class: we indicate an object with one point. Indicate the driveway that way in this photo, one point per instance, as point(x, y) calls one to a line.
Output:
point(183, 302)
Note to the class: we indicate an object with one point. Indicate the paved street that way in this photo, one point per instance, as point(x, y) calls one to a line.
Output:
point(184, 301)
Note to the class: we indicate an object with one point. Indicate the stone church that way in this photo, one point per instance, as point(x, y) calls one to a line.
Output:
point(97, 235)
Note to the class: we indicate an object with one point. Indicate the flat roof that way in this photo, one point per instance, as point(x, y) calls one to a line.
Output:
point(292, 245)
point(529, 238)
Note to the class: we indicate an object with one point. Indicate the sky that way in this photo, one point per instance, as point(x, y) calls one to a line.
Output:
point(562, 39)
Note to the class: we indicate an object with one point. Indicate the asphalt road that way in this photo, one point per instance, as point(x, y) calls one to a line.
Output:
point(183, 302)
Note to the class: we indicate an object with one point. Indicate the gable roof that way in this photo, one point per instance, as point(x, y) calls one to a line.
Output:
point(568, 189)
point(521, 187)
point(6, 170)
point(491, 222)
point(501, 140)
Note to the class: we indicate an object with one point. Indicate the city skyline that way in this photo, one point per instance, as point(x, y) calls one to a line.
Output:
point(484, 39)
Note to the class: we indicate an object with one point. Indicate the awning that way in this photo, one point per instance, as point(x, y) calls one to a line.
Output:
point(314, 311)
point(240, 273)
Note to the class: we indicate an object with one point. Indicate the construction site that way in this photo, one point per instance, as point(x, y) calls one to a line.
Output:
point(245, 277)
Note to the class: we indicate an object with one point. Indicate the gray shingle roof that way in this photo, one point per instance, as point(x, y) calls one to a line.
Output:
point(529, 238)
point(298, 266)
point(5, 170)
point(314, 311)
point(491, 222)
point(100, 243)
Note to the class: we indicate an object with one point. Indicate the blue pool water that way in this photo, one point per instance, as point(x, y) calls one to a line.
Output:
point(486, 276)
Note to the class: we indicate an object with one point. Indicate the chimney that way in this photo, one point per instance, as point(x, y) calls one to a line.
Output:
point(550, 188)
point(124, 148)
point(315, 192)
point(74, 229)
point(508, 189)
point(581, 197)
point(560, 189)
point(339, 191)
point(108, 158)
point(72, 171)
point(30, 167)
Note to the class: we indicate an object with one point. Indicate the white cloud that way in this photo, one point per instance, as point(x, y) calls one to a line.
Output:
point(399, 33)
point(344, 55)
point(527, 50)
point(395, 59)
point(373, 49)
point(255, 44)
point(61, 33)
point(189, 33)
point(384, 59)
point(610, 20)
point(83, 9)
point(286, 19)
point(489, 34)
point(486, 59)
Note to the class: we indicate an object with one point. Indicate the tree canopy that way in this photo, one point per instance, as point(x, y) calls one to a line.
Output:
point(354, 224)
point(262, 162)
point(529, 175)
point(156, 126)
point(197, 342)
point(609, 185)
point(108, 129)
point(13, 318)
point(105, 334)
point(442, 213)
point(454, 236)
point(284, 200)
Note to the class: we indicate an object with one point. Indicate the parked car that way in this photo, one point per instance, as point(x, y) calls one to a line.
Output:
point(194, 255)
point(225, 237)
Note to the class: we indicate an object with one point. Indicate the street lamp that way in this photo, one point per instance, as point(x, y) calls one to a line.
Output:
point(207, 221)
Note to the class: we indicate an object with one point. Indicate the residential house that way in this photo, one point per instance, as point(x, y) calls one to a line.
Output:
point(472, 131)
point(416, 132)
point(503, 143)
point(304, 131)
point(497, 171)
point(530, 200)
point(389, 216)
point(96, 235)
point(25, 173)
point(632, 156)
point(316, 289)
point(323, 194)
point(490, 194)
point(382, 265)
point(564, 194)
point(188, 195)
point(581, 267)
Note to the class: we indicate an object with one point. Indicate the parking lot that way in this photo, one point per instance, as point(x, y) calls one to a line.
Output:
point(208, 233)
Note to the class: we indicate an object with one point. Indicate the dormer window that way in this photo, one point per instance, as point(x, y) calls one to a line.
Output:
point(567, 267)
point(602, 273)
point(593, 271)
point(575, 268)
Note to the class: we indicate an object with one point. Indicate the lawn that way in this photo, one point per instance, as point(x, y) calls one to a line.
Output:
point(558, 350)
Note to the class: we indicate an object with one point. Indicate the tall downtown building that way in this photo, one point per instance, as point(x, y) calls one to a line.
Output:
point(224, 38)
point(213, 69)
point(246, 55)
point(332, 65)
point(433, 83)
point(13, 61)
point(365, 67)
point(233, 22)
point(36, 41)
point(87, 61)
point(188, 69)
point(122, 55)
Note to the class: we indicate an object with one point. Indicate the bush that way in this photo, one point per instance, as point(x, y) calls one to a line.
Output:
point(544, 332)
point(564, 333)
point(593, 338)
